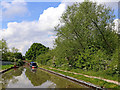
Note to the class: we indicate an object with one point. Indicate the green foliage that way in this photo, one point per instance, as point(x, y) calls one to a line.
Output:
point(13, 56)
point(4, 49)
point(23, 57)
point(14, 50)
point(85, 40)
point(8, 55)
point(18, 55)
point(35, 50)
point(113, 66)
point(19, 62)
point(44, 58)
point(92, 60)
point(86, 24)
point(4, 46)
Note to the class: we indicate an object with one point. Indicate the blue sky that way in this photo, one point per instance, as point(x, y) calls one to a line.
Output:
point(37, 8)
point(24, 23)
point(34, 11)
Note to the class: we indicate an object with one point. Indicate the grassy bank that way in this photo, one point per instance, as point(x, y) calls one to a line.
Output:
point(102, 74)
point(3, 67)
point(86, 79)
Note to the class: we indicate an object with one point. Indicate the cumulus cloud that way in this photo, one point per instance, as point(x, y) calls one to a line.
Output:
point(22, 35)
point(117, 25)
point(13, 9)
point(70, 2)
point(90, 0)
point(53, 14)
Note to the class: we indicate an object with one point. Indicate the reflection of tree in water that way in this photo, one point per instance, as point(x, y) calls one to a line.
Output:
point(38, 77)
point(9, 75)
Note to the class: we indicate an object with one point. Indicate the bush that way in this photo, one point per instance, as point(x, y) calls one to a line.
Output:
point(19, 62)
point(44, 59)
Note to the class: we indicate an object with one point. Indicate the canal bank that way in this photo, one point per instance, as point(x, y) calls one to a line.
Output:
point(5, 66)
point(5, 70)
point(95, 81)
point(90, 85)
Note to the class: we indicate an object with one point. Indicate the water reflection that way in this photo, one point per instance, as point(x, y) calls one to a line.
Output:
point(22, 81)
point(36, 77)
point(25, 77)
point(10, 75)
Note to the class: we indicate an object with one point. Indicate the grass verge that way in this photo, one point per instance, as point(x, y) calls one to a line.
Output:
point(101, 74)
point(3, 67)
point(94, 81)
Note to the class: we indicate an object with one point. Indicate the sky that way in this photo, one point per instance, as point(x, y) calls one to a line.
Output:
point(25, 22)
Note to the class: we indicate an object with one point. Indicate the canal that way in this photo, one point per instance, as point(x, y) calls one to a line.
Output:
point(25, 77)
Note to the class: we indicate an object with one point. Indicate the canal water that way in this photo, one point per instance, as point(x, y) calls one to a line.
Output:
point(25, 77)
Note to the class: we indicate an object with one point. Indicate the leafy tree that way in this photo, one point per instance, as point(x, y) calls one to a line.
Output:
point(14, 50)
point(0, 50)
point(86, 38)
point(7, 55)
point(18, 55)
point(35, 50)
point(10, 56)
point(4, 46)
point(47, 58)
point(86, 24)
point(14, 56)
point(4, 49)
point(23, 57)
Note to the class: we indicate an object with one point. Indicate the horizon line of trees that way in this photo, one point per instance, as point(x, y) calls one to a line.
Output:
point(6, 54)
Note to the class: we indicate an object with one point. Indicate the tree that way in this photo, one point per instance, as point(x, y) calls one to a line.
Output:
point(6, 54)
point(4, 46)
point(85, 25)
point(14, 50)
point(4, 49)
point(35, 50)
point(18, 55)
point(0, 50)
point(23, 57)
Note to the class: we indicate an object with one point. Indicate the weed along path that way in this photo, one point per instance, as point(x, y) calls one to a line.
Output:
point(111, 81)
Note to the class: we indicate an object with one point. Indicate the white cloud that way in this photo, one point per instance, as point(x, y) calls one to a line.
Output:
point(105, 0)
point(113, 4)
point(22, 35)
point(50, 17)
point(117, 25)
point(90, 0)
point(13, 9)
